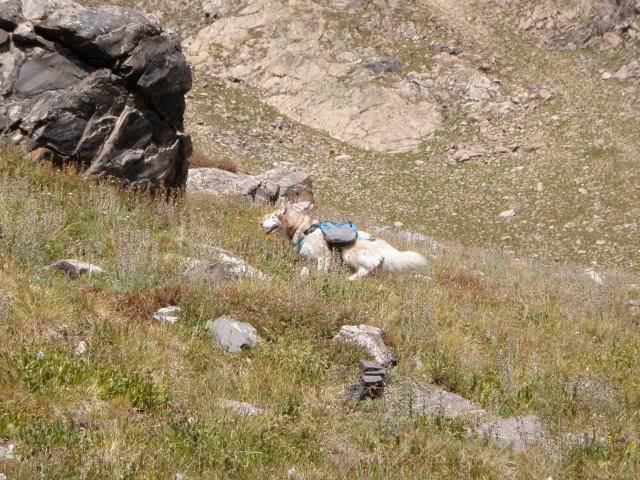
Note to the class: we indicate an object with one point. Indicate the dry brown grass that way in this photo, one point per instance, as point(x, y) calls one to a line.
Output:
point(200, 159)
point(143, 402)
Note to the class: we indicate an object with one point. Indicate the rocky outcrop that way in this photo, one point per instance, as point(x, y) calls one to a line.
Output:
point(519, 433)
point(370, 339)
point(309, 67)
point(101, 87)
point(268, 186)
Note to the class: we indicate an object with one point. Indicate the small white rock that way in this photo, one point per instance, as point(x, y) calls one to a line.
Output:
point(166, 314)
point(539, 187)
point(607, 76)
point(507, 213)
point(81, 349)
point(593, 275)
point(7, 453)
point(397, 224)
point(304, 272)
point(40, 355)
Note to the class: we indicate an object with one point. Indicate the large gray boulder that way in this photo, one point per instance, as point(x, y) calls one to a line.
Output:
point(102, 87)
point(269, 186)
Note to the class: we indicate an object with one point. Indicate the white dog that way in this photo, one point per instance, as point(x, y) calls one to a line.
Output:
point(299, 224)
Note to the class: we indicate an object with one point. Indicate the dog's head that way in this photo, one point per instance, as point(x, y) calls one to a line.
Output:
point(286, 217)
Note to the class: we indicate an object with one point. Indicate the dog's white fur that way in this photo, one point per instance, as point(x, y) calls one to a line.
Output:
point(366, 255)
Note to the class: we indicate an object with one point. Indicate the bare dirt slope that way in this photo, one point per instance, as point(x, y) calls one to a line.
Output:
point(438, 114)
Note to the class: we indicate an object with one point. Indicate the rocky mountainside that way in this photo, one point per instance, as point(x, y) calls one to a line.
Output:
point(144, 338)
point(436, 114)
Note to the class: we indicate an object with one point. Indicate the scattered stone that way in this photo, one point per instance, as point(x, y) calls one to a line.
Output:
point(369, 338)
point(232, 334)
point(343, 157)
point(464, 155)
point(81, 349)
point(304, 272)
point(241, 408)
point(607, 76)
point(102, 87)
point(610, 40)
point(631, 70)
point(269, 186)
point(507, 213)
point(167, 314)
point(223, 266)
point(539, 187)
point(545, 95)
point(533, 144)
point(397, 224)
point(518, 433)
point(434, 401)
point(451, 50)
point(76, 268)
point(7, 453)
point(40, 355)
point(593, 275)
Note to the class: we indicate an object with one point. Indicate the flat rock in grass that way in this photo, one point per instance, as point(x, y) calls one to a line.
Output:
point(518, 433)
point(7, 452)
point(167, 314)
point(434, 401)
point(75, 268)
point(232, 334)
point(222, 266)
point(241, 408)
point(370, 339)
point(507, 213)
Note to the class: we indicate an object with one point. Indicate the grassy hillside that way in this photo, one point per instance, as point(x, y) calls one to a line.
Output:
point(144, 401)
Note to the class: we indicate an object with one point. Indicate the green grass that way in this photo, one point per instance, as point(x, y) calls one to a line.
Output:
point(143, 402)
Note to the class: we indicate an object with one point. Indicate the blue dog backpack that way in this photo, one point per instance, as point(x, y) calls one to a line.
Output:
point(339, 234)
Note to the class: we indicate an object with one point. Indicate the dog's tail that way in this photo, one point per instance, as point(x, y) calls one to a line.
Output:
point(397, 261)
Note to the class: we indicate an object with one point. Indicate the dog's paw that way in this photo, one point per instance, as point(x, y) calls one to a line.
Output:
point(304, 272)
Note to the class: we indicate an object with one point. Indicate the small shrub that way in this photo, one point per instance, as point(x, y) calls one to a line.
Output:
point(141, 392)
